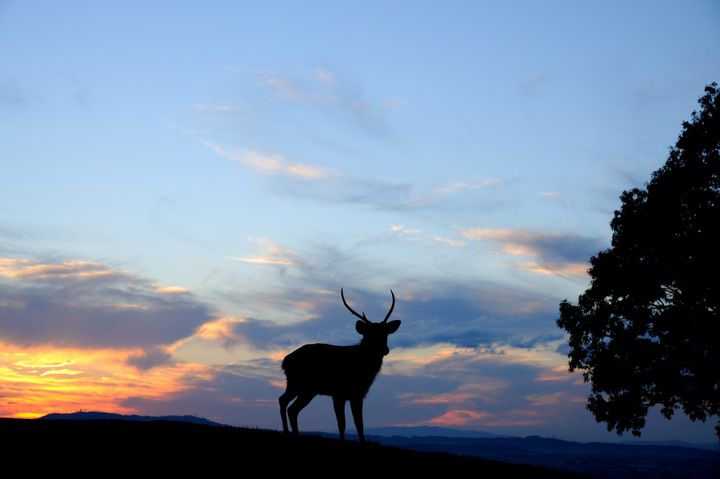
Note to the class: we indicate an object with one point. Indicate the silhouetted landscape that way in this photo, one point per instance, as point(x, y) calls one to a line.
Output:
point(94, 415)
point(596, 459)
point(408, 449)
point(521, 198)
point(177, 446)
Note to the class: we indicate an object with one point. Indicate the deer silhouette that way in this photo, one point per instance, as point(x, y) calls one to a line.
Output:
point(344, 373)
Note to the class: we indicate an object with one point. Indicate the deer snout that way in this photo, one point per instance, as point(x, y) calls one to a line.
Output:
point(386, 351)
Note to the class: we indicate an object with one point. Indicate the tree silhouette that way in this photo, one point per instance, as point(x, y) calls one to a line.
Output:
point(647, 331)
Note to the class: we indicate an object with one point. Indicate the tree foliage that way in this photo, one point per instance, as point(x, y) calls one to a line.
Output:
point(647, 331)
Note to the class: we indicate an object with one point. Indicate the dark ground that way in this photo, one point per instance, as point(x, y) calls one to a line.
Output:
point(115, 448)
point(606, 460)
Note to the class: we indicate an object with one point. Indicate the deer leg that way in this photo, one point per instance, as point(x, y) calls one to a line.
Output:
point(295, 408)
point(356, 406)
point(284, 400)
point(339, 405)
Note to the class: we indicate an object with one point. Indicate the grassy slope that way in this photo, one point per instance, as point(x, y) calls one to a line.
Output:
point(174, 447)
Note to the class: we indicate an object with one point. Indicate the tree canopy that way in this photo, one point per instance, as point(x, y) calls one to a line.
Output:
point(647, 330)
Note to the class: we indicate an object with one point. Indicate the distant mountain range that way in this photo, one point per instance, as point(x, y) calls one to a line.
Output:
point(426, 431)
point(96, 415)
point(632, 459)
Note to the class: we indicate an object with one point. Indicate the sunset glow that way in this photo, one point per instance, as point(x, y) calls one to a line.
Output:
point(41, 380)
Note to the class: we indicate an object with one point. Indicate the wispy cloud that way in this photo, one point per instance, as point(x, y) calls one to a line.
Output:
point(404, 231)
point(388, 196)
point(274, 164)
point(488, 391)
point(455, 243)
point(415, 234)
point(571, 269)
point(325, 91)
point(321, 87)
point(329, 91)
point(287, 89)
point(555, 253)
point(217, 114)
point(66, 270)
point(552, 195)
point(554, 398)
point(271, 254)
point(449, 189)
point(330, 185)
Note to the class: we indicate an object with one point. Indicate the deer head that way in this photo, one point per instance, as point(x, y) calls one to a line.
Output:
point(374, 334)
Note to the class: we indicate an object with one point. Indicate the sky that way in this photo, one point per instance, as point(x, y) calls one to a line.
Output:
point(186, 186)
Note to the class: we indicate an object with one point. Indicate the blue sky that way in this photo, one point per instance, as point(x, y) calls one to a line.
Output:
point(187, 185)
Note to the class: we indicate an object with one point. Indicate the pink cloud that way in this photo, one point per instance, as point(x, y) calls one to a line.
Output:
point(458, 417)
point(446, 398)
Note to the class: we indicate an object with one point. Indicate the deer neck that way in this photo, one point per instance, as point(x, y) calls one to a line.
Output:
point(372, 355)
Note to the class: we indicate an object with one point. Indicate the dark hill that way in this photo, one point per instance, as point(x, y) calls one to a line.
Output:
point(96, 415)
point(142, 446)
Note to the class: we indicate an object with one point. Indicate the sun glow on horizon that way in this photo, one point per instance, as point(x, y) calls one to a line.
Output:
point(45, 379)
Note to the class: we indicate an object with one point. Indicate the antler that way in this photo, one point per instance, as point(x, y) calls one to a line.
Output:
point(392, 306)
point(352, 310)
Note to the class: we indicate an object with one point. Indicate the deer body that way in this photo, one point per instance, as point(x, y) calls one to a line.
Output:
point(344, 373)
point(349, 373)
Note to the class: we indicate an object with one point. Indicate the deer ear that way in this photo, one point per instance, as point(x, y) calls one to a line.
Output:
point(361, 327)
point(393, 326)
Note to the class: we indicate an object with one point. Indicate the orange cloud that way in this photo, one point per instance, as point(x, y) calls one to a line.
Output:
point(411, 361)
point(40, 380)
point(569, 269)
point(271, 254)
point(220, 329)
point(457, 417)
point(279, 355)
point(171, 289)
point(557, 253)
point(465, 394)
point(272, 164)
point(543, 356)
point(31, 269)
point(277, 383)
point(555, 374)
